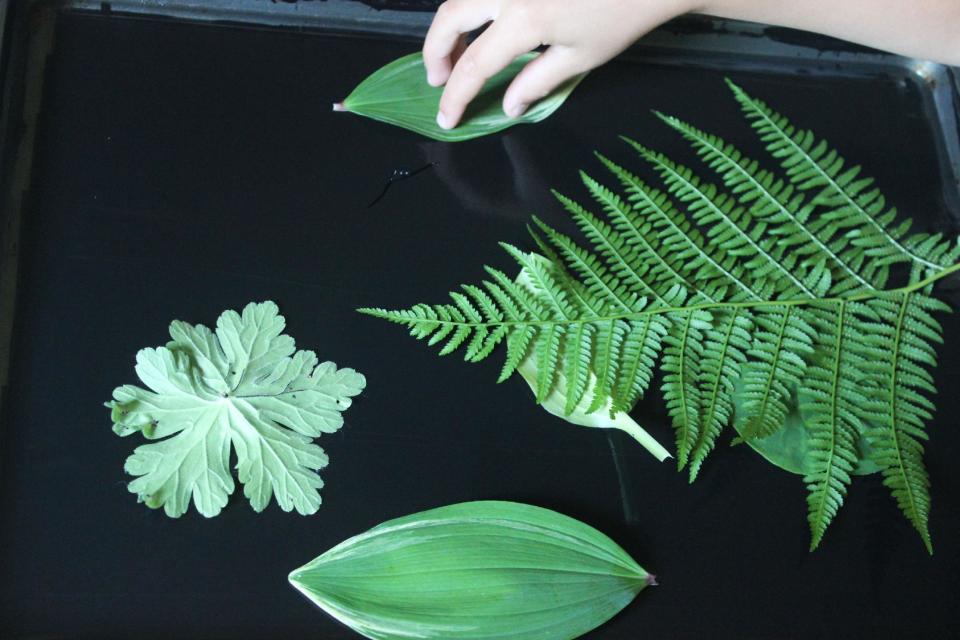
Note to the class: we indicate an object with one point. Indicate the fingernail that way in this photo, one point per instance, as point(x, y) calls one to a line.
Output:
point(516, 110)
point(442, 121)
point(432, 79)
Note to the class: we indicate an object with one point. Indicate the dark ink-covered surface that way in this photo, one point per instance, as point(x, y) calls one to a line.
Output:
point(182, 170)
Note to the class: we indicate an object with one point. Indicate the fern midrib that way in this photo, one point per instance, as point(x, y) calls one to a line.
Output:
point(773, 199)
point(687, 425)
point(542, 349)
point(895, 433)
point(605, 377)
point(841, 191)
point(713, 207)
point(636, 315)
point(575, 367)
point(635, 364)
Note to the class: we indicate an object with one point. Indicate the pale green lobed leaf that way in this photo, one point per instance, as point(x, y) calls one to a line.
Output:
point(191, 464)
point(254, 345)
point(244, 385)
point(200, 343)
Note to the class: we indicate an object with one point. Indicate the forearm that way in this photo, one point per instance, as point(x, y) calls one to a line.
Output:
point(927, 29)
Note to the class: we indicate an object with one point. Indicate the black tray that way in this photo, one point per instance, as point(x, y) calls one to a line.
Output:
point(159, 168)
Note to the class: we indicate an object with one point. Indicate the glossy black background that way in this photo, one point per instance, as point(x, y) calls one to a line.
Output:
point(183, 169)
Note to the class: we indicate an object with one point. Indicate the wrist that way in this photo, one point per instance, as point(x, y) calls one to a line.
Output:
point(720, 8)
point(694, 6)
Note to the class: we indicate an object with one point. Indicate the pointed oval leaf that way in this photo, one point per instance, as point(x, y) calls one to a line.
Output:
point(474, 570)
point(398, 94)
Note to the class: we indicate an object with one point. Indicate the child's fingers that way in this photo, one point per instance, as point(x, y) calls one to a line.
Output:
point(448, 63)
point(541, 76)
point(454, 19)
point(458, 50)
point(490, 53)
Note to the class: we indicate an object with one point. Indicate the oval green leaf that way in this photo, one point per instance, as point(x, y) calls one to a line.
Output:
point(398, 94)
point(474, 570)
point(789, 447)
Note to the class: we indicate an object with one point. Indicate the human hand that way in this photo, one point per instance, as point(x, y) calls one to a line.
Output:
point(583, 34)
point(579, 36)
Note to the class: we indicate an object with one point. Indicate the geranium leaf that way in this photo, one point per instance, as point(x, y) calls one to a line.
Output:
point(246, 385)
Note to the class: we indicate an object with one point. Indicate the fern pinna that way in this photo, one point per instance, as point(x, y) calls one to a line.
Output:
point(764, 291)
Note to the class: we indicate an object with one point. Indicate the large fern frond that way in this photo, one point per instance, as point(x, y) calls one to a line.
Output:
point(758, 294)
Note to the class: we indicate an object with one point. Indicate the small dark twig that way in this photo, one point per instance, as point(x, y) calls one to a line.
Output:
point(398, 175)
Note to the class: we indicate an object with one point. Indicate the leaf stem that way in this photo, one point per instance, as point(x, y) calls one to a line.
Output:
point(624, 422)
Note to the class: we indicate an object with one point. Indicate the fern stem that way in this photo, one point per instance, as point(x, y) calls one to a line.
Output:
point(636, 315)
point(685, 431)
point(705, 439)
point(624, 393)
point(944, 272)
point(893, 394)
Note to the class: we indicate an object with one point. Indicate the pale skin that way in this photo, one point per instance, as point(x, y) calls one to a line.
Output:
point(580, 35)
